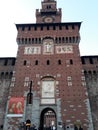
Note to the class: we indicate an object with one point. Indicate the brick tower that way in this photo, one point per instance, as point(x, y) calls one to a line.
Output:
point(48, 88)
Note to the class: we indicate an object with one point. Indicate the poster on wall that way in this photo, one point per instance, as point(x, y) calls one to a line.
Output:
point(16, 106)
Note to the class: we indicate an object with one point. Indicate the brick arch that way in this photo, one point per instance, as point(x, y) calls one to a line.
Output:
point(47, 77)
point(48, 37)
point(48, 118)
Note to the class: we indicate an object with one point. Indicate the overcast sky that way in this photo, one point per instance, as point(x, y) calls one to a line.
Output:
point(23, 11)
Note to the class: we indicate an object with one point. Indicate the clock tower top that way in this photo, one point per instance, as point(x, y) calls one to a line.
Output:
point(49, 12)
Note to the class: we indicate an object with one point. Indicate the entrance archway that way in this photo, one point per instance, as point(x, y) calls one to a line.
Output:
point(48, 119)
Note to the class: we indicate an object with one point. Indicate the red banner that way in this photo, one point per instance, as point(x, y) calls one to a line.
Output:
point(16, 105)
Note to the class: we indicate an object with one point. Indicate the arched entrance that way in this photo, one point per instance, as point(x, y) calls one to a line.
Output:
point(48, 119)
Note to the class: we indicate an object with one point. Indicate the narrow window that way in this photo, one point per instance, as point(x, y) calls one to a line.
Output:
point(54, 28)
point(73, 27)
point(85, 72)
point(36, 62)
point(39, 40)
point(91, 60)
point(32, 40)
point(66, 27)
point(35, 28)
point(59, 39)
point(22, 28)
point(71, 61)
point(66, 39)
point(41, 28)
point(49, 6)
point(6, 62)
point(25, 62)
point(22, 40)
point(35, 40)
point(29, 28)
point(48, 62)
point(6, 75)
point(11, 74)
point(69, 39)
point(63, 40)
point(29, 40)
point(59, 62)
point(56, 40)
point(1, 126)
point(89, 72)
point(60, 27)
point(73, 39)
point(47, 27)
point(83, 61)
point(25, 40)
point(94, 72)
point(2, 74)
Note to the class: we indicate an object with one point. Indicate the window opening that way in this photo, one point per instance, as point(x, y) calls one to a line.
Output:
point(13, 62)
point(59, 62)
point(69, 39)
point(48, 62)
point(54, 28)
point(59, 39)
point(35, 40)
point(56, 40)
point(91, 61)
point(2, 74)
point(47, 27)
point(73, 27)
point(83, 61)
point(66, 27)
point(66, 39)
point(41, 28)
point(35, 28)
point(25, 40)
point(63, 40)
point(29, 28)
point(32, 40)
point(73, 39)
point(6, 62)
point(60, 27)
point(25, 62)
point(39, 40)
point(22, 28)
point(71, 61)
point(36, 62)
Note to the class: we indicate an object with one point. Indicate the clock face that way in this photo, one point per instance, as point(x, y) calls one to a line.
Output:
point(48, 19)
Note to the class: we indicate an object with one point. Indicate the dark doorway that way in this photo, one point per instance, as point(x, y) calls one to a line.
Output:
point(48, 119)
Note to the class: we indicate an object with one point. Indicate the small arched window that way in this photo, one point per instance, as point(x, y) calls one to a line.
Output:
point(5, 62)
point(25, 62)
point(59, 62)
point(6, 75)
point(36, 62)
point(11, 74)
point(2, 74)
point(71, 61)
point(48, 62)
